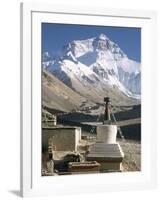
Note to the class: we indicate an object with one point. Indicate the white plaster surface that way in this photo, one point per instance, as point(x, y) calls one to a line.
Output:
point(63, 138)
point(107, 133)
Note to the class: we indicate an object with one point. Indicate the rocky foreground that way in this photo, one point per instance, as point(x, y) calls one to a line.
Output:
point(131, 149)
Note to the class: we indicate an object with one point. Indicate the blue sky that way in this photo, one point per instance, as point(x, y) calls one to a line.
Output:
point(55, 36)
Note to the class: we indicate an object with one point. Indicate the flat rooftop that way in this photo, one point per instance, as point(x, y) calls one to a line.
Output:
point(61, 127)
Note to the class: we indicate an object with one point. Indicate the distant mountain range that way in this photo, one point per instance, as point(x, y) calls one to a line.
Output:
point(89, 70)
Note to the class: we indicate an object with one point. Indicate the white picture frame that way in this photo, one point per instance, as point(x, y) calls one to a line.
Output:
point(32, 183)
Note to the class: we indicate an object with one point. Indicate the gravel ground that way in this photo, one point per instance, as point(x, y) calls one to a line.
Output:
point(131, 149)
point(132, 152)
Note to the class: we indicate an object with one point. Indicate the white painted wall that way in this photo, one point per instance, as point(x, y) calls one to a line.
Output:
point(9, 101)
point(64, 139)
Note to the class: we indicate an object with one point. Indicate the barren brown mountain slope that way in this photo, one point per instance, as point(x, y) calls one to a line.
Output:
point(56, 95)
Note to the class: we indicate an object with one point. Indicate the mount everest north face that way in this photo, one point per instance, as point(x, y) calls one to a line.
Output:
point(94, 68)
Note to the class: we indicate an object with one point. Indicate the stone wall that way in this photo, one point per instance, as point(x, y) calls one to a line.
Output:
point(63, 138)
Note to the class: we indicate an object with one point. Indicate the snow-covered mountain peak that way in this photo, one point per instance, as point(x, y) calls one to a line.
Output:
point(103, 37)
point(94, 45)
point(78, 47)
point(97, 61)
